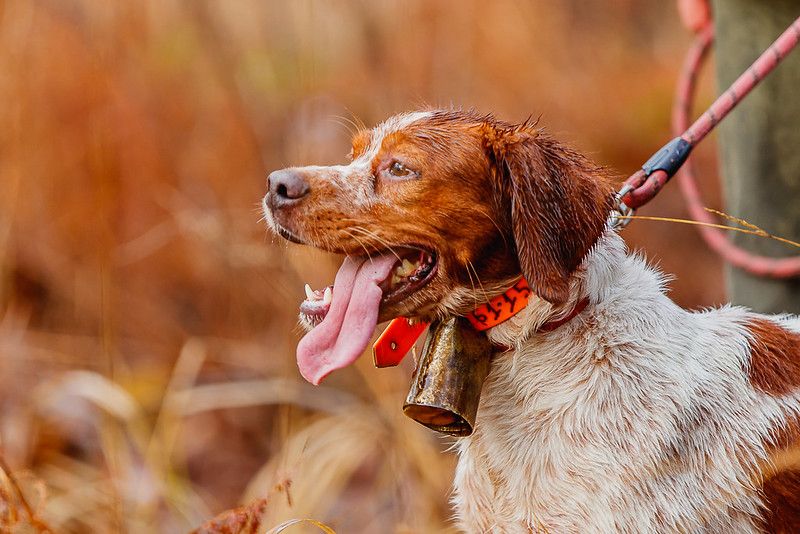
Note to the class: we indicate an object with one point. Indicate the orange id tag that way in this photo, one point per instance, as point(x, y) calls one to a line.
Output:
point(395, 342)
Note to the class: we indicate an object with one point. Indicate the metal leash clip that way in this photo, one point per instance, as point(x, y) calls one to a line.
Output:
point(621, 213)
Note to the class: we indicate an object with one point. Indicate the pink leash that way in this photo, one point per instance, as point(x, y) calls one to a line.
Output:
point(643, 185)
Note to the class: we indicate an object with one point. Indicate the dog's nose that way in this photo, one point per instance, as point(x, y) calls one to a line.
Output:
point(286, 187)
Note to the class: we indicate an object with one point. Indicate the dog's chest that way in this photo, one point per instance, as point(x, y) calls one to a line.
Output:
point(588, 432)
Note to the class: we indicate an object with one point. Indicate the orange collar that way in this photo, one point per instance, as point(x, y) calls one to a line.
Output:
point(501, 308)
point(398, 338)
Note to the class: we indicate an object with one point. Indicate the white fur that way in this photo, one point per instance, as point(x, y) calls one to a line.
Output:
point(389, 126)
point(636, 416)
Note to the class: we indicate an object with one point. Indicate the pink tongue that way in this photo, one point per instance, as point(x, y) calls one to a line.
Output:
point(345, 331)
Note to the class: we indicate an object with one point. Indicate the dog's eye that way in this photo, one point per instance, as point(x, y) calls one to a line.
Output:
point(399, 170)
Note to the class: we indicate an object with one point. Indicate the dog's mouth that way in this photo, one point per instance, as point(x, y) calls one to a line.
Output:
point(289, 236)
point(344, 315)
point(412, 270)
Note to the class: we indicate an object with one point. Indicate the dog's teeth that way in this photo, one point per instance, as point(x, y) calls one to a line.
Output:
point(310, 293)
point(411, 321)
point(405, 268)
point(327, 297)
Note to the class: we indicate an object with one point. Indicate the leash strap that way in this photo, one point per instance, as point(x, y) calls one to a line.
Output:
point(643, 185)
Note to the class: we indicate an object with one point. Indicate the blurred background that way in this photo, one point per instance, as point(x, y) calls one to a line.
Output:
point(148, 319)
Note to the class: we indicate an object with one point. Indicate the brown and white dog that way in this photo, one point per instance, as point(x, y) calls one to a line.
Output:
point(635, 416)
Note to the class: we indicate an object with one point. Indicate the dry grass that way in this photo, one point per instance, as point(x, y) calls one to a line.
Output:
point(147, 323)
point(749, 228)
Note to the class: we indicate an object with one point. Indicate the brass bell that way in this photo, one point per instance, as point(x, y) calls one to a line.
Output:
point(446, 386)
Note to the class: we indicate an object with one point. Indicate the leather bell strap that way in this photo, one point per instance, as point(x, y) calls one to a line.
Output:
point(395, 342)
point(398, 338)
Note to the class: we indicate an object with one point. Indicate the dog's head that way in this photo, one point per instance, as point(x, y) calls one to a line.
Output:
point(436, 211)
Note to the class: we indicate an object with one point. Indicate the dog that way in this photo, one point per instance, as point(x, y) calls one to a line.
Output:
point(635, 415)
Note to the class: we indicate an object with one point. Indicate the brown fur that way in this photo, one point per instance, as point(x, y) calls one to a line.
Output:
point(782, 500)
point(775, 369)
point(780, 481)
point(559, 204)
point(775, 357)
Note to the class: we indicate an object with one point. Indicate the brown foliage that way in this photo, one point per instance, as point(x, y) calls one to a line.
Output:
point(242, 520)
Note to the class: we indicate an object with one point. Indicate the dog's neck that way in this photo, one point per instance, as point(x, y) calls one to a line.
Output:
point(592, 280)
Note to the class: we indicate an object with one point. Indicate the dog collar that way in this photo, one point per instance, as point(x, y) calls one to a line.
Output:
point(398, 338)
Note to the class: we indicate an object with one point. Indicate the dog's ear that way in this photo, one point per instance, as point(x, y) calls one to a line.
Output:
point(558, 200)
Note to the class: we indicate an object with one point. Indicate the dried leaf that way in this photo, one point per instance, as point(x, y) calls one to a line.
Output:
point(242, 520)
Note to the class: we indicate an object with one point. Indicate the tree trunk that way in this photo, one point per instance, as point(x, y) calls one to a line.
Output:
point(760, 145)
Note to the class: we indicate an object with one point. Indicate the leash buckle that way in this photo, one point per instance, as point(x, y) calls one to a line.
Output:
point(620, 215)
